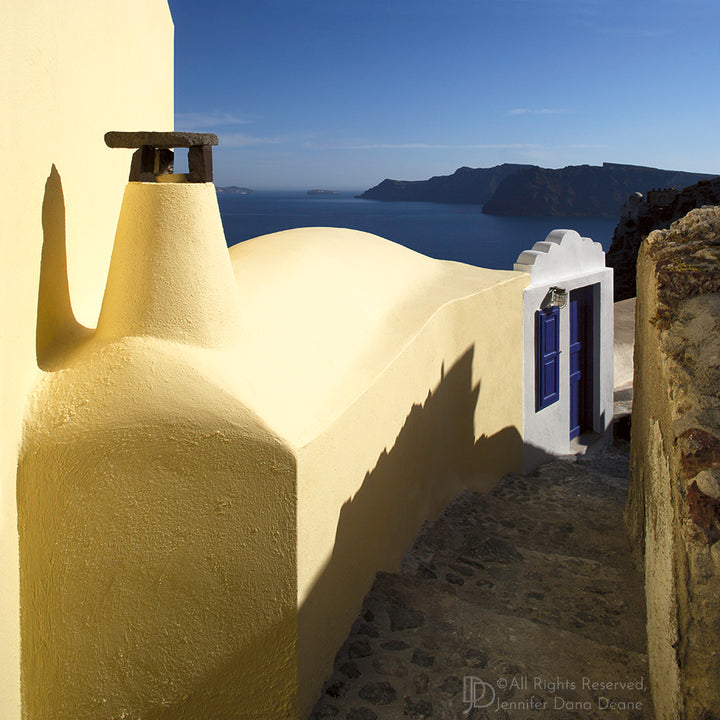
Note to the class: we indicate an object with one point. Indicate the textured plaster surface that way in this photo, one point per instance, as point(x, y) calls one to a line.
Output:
point(210, 481)
point(157, 513)
point(70, 73)
point(673, 506)
point(157, 521)
point(393, 413)
point(300, 279)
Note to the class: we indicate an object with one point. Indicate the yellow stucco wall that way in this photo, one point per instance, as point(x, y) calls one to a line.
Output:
point(68, 73)
point(445, 416)
point(157, 513)
point(398, 381)
point(211, 480)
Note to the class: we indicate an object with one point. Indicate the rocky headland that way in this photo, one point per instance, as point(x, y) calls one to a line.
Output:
point(641, 215)
point(529, 190)
point(473, 186)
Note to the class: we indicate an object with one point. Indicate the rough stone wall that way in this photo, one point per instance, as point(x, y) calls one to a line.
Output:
point(673, 510)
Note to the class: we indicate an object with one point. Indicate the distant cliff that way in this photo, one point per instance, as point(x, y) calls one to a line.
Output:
point(466, 185)
point(580, 190)
point(640, 216)
point(528, 190)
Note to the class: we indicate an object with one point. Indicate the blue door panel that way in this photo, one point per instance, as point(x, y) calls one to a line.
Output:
point(550, 379)
point(550, 333)
point(547, 359)
point(581, 371)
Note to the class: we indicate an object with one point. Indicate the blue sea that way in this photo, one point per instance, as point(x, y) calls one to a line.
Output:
point(446, 232)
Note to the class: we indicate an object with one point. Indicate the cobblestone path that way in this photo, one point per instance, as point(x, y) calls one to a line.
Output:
point(519, 604)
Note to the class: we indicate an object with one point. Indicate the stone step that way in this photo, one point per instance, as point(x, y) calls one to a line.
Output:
point(550, 589)
point(412, 655)
point(527, 593)
point(567, 519)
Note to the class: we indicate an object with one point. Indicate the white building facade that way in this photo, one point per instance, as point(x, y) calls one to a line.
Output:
point(567, 346)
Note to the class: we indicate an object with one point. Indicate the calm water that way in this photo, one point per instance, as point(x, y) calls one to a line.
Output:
point(447, 232)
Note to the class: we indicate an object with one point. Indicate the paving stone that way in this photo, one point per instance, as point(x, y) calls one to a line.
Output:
point(422, 658)
point(417, 708)
point(421, 683)
point(336, 689)
point(452, 685)
point(402, 618)
point(395, 645)
point(365, 628)
point(390, 665)
point(378, 693)
point(474, 658)
point(454, 579)
point(495, 549)
point(350, 670)
point(426, 571)
point(359, 649)
point(549, 591)
point(361, 714)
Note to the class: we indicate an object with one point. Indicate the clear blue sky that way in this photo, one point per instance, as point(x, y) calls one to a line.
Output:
point(340, 95)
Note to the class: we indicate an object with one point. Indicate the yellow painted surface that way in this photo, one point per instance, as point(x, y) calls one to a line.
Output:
point(157, 519)
point(209, 483)
point(165, 279)
point(157, 513)
point(206, 485)
point(326, 310)
point(68, 73)
point(398, 379)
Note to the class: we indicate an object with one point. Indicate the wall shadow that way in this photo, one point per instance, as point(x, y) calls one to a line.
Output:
point(57, 329)
point(434, 458)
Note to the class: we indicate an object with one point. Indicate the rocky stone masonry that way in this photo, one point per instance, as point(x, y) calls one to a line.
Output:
point(504, 606)
point(673, 510)
point(639, 220)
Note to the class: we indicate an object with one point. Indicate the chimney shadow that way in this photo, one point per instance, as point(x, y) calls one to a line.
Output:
point(57, 329)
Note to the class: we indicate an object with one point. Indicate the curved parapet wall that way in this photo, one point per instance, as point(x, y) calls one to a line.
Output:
point(398, 378)
point(326, 310)
point(562, 254)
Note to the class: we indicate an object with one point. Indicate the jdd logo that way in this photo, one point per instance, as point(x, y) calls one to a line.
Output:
point(477, 693)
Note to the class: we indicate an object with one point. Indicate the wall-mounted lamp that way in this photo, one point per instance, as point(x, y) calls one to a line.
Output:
point(558, 296)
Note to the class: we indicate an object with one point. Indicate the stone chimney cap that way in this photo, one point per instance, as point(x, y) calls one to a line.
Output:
point(117, 139)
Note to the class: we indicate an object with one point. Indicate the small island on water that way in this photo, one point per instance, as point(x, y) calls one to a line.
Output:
point(235, 189)
point(323, 192)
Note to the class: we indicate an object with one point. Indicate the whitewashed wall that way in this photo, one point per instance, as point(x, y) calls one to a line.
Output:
point(566, 260)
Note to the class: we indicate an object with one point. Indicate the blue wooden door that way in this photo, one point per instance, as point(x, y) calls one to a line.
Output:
point(581, 355)
point(547, 358)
